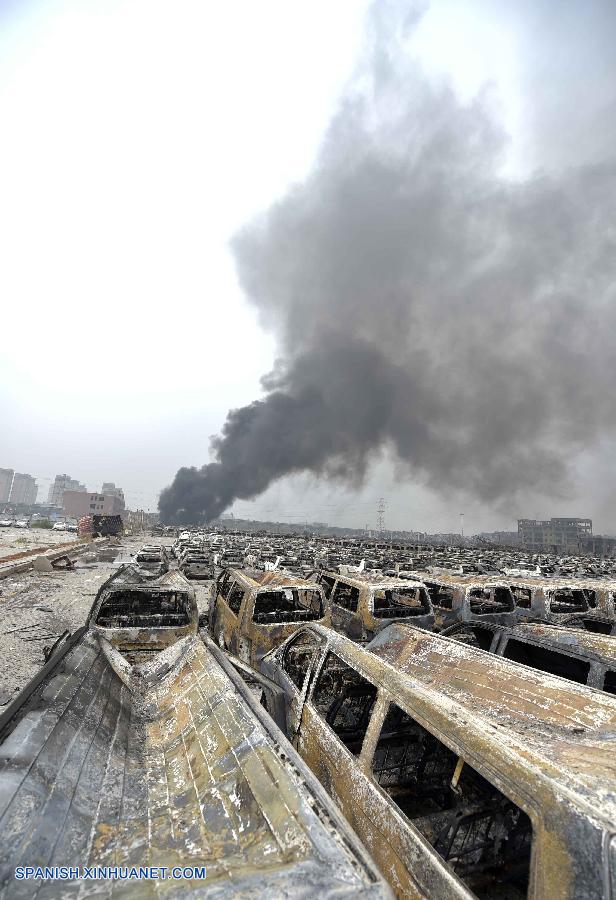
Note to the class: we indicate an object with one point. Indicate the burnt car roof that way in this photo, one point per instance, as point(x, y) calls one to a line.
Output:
point(130, 575)
point(359, 579)
point(556, 733)
point(173, 765)
point(575, 584)
point(276, 578)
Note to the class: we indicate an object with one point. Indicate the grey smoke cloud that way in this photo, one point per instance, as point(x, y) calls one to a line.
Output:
point(422, 304)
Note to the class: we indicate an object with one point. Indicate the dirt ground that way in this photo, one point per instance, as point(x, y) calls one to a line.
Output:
point(35, 608)
point(16, 540)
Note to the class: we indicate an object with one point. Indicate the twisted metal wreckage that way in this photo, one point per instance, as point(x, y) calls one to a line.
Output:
point(381, 754)
point(138, 745)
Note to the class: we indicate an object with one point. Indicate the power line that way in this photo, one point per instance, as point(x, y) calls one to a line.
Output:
point(380, 515)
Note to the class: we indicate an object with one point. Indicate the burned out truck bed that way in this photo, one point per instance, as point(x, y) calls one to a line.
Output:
point(117, 759)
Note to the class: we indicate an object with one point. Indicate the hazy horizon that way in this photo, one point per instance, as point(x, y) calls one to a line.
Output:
point(138, 142)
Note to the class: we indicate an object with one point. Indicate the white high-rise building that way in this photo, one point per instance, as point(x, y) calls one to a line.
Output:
point(6, 480)
point(24, 489)
point(63, 483)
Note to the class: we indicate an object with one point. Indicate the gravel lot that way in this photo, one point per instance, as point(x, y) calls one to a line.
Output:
point(35, 609)
point(16, 540)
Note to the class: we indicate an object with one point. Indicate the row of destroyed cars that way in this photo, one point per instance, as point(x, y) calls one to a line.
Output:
point(304, 553)
point(357, 755)
point(193, 562)
point(459, 742)
point(250, 610)
point(138, 763)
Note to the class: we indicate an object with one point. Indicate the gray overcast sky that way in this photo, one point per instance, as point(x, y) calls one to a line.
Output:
point(138, 136)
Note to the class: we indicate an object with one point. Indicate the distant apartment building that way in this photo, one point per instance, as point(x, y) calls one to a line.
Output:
point(6, 480)
point(110, 489)
point(554, 535)
point(24, 489)
point(61, 484)
point(78, 503)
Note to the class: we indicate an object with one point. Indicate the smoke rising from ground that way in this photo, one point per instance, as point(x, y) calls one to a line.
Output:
point(422, 304)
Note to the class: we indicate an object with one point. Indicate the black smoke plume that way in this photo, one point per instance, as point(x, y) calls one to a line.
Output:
point(423, 303)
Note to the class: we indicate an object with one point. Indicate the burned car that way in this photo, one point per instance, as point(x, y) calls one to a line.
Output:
point(197, 566)
point(252, 611)
point(572, 602)
point(152, 561)
point(364, 604)
point(138, 746)
point(571, 653)
point(140, 616)
point(468, 598)
point(465, 774)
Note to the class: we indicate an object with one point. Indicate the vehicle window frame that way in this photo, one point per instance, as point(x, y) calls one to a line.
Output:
point(250, 609)
point(551, 598)
point(422, 597)
point(437, 587)
point(470, 596)
point(313, 681)
point(569, 659)
point(609, 674)
point(333, 580)
point(384, 700)
point(521, 605)
point(496, 633)
point(320, 644)
point(222, 583)
point(234, 582)
point(350, 587)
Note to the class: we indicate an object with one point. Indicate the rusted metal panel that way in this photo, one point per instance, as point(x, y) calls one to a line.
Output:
point(165, 763)
point(545, 748)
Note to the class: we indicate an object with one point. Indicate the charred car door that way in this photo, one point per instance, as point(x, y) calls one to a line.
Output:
point(345, 610)
point(292, 667)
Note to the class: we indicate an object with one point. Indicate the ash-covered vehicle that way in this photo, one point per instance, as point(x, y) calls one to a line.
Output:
point(465, 774)
point(181, 548)
point(139, 615)
point(231, 559)
point(481, 598)
point(197, 566)
point(252, 611)
point(152, 561)
point(138, 745)
point(362, 604)
point(468, 598)
point(577, 603)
